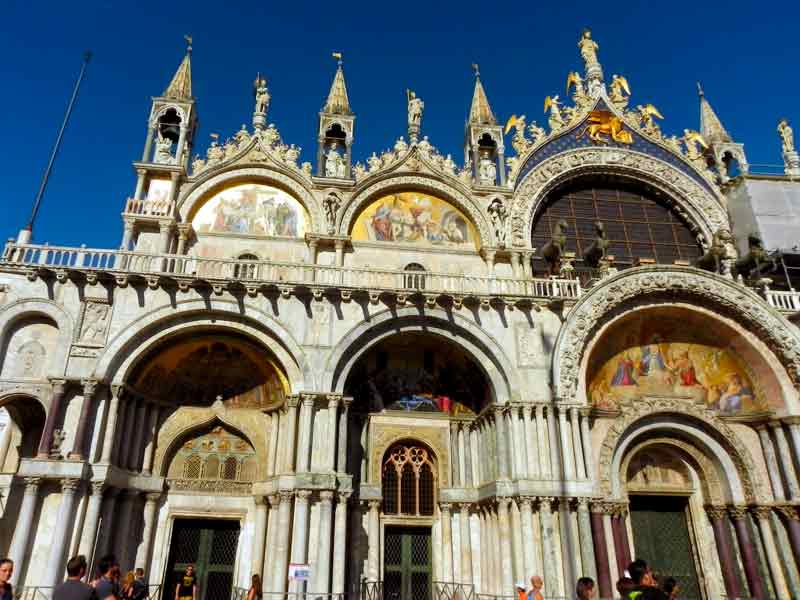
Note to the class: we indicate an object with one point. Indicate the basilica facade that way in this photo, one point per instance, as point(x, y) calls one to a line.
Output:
point(413, 378)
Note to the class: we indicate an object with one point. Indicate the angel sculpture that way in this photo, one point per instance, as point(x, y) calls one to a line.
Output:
point(556, 120)
point(646, 119)
point(694, 141)
point(620, 91)
point(261, 94)
point(537, 133)
point(574, 79)
point(519, 142)
point(787, 136)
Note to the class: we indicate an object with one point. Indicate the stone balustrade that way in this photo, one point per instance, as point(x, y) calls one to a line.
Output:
point(156, 269)
point(788, 302)
point(155, 208)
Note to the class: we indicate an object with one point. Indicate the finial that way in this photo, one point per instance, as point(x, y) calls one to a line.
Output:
point(476, 69)
point(188, 39)
point(338, 57)
point(700, 90)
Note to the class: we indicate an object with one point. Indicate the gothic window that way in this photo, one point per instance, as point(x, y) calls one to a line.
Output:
point(191, 468)
point(408, 481)
point(639, 222)
point(211, 467)
point(229, 468)
point(415, 276)
point(209, 461)
point(246, 271)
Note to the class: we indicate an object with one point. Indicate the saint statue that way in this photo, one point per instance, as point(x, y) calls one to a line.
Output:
point(415, 107)
point(787, 136)
point(588, 49)
point(487, 171)
point(261, 94)
point(163, 154)
point(334, 163)
point(497, 213)
point(331, 204)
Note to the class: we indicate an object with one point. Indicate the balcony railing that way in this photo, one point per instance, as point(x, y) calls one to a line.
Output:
point(155, 208)
point(783, 301)
point(38, 258)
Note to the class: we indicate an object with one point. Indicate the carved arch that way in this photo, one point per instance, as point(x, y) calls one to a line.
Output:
point(692, 201)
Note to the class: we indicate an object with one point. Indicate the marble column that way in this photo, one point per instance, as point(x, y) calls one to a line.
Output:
point(374, 535)
point(749, 560)
point(504, 531)
point(324, 558)
point(304, 437)
point(475, 452)
point(87, 545)
point(541, 438)
point(124, 426)
point(58, 387)
point(344, 415)
point(300, 535)
point(529, 547)
point(553, 445)
point(620, 518)
point(518, 553)
point(580, 465)
point(552, 582)
point(111, 425)
point(134, 458)
point(125, 518)
point(149, 516)
point(600, 552)
point(718, 515)
point(333, 427)
point(585, 536)
point(106, 519)
point(23, 528)
point(467, 453)
point(259, 536)
point(79, 445)
point(567, 458)
point(792, 521)
point(521, 441)
point(586, 443)
point(152, 434)
point(447, 542)
point(501, 443)
point(455, 469)
point(772, 463)
point(786, 460)
point(56, 562)
point(513, 442)
point(281, 565)
point(529, 427)
point(793, 423)
point(466, 546)
point(340, 542)
point(267, 565)
point(773, 560)
point(291, 432)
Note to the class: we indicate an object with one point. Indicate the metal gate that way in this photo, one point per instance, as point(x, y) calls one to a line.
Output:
point(661, 537)
point(407, 563)
point(211, 547)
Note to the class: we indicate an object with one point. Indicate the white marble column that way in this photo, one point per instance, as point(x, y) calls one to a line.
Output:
point(24, 525)
point(56, 563)
point(773, 560)
point(125, 518)
point(455, 468)
point(466, 439)
point(567, 459)
point(476, 457)
point(304, 437)
point(504, 531)
point(531, 453)
point(141, 425)
point(267, 569)
point(324, 558)
point(291, 433)
point(552, 583)
point(344, 416)
point(281, 565)
point(521, 441)
point(528, 546)
point(512, 442)
point(518, 559)
point(340, 543)
point(123, 442)
point(300, 535)
point(274, 431)
point(106, 519)
point(553, 444)
point(585, 535)
point(793, 423)
point(541, 438)
point(333, 426)
point(374, 535)
point(501, 443)
point(772, 462)
point(786, 461)
point(447, 542)
point(580, 465)
point(259, 536)
point(466, 546)
point(586, 443)
point(148, 529)
point(90, 522)
point(152, 434)
point(111, 425)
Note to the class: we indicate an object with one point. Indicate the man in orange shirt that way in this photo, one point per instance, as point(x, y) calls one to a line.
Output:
point(536, 588)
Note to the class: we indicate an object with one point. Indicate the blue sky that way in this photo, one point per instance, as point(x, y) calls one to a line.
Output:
point(746, 55)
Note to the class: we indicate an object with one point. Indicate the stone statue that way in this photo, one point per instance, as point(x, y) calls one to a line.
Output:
point(374, 163)
point(487, 170)
point(261, 94)
point(787, 136)
point(415, 108)
point(334, 163)
point(620, 91)
point(242, 137)
point(556, 120)
point(291, 155)
point(694, 141)
point(553, 249)
point(647, 115)
point(271, 135)
point(497, 214)
point(401, 146)
point(580, 97)
point(588, 48)
point(537, 133)
point(449, 165)
point(721, 255)
point(425, 147)
point(59, 435)
point(163, 155)
point(519, 142)
point(331, 203)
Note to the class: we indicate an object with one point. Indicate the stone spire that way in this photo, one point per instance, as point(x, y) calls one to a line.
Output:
point(180, 87)
point(337, 103)
point(710, 126)
point(480, 113)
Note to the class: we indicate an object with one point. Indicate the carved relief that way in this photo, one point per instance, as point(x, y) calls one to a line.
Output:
point(319, 325)
point(530, 349)
point(94, 322)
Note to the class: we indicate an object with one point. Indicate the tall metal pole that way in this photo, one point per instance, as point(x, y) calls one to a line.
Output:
point(25, 234)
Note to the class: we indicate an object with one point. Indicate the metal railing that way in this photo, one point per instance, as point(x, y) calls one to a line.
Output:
point(35, 256)
point(443, 590)
point(240, 593)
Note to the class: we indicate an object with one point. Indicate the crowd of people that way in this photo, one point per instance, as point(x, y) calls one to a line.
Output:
point(638, 583)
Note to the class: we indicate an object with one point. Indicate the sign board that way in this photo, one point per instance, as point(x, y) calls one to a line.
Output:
point(299, 572)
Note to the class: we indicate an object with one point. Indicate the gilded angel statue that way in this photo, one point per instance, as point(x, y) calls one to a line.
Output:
point(620, 91)
point(647, 114)
point(694, 141)
point(556, 120)
point(519, 142)
point(537, 133)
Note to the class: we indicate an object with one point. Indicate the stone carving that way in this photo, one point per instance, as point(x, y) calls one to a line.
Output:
point(261, 94)
point(318, 330)
point(487, 171)
point(537, 133)
point(415, 108)
point(530, 351)
point(588, 48)
point(721, 255)
point(334, 163)
point(331, 204)
point(497, 214)
point(556, 119)
point(95, 322)
point(385, 435)
point(646, 116)
point(32, 358)
point(787, 136)
point(519, 142)
point(620, 91)
point(59, 435)
point(163, 154)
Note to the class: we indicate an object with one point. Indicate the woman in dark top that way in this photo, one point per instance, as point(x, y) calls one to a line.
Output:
point(6, 571)
point(254, 593)
point(187, 586)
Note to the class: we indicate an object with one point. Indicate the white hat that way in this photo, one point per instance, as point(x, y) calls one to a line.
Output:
point(520, 585)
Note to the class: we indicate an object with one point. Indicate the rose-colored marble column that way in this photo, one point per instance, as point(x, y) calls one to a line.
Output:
point(718, 516)
point(600, 552)
point(739, 516)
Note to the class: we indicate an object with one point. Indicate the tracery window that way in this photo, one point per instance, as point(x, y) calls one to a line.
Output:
point(639, 222)
point(246, 271)
point(408, 481)
point(415, 276)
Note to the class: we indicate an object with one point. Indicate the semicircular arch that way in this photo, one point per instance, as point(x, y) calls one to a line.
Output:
point(692, 201)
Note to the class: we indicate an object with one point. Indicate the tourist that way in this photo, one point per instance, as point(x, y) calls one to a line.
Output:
point(74, 588)
point(6, 571)
point(126, 589)
point(625, 586)
point(254, 593)
point(521, 593)
point(187, 587)
point(107, 584)
point(670, 587)
point(645, 584)
point(139, 585)
point(536, 588)
point(585, 589)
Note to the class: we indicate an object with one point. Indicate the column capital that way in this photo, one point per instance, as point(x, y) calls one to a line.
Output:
point(69, 485)
point(326, 497)
point(793, 420)
point(761, 512)
point(286, 496)
point(526, 502)
point(152, 497)
point(32, 484)
point(334, 400)
point(292, 401)
point(789, 511)
point(374, 504)
point(445, 506)
point(347, 401)
point(603, 507)
point(98, 487)
point(117, 390)
point(344, 497)
point(308, 399)
point(527, 411)
point(59, 386)
point(775, 424)
point(502, 503)
point(546, 503)
point(574, 412)
point(302, 495)
point(274, 500)
point(89, 387)
point(583, 504)
point(464, 507)
point(716, 512)
point(737, 512)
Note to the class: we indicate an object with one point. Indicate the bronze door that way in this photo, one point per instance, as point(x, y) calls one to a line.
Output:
point(407, 563)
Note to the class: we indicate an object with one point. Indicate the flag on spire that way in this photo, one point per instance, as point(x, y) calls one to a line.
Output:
point(180, 87)
point(338, 102)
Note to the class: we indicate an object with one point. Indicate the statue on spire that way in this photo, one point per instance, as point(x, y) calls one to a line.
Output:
point(261, 94)
point(787, 136)
point(415, 108)
point(594, 72)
